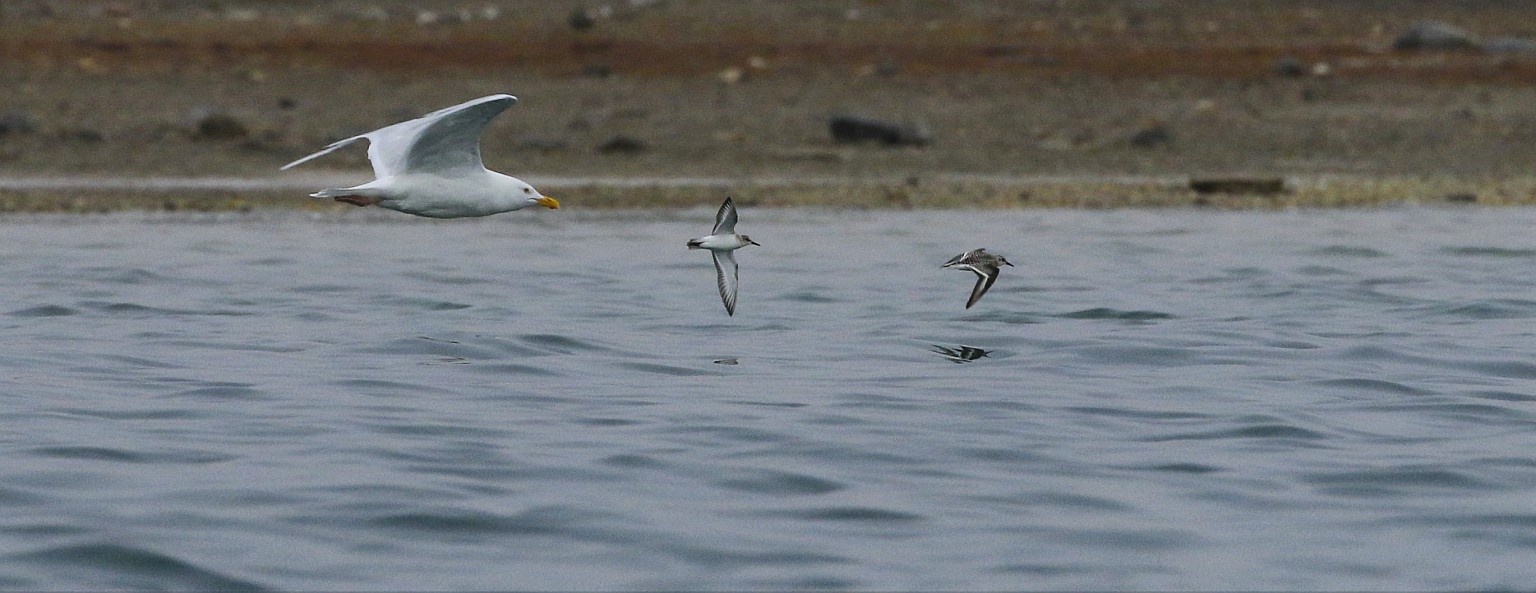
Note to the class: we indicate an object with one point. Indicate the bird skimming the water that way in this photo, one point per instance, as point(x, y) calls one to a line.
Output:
point(985, 266)
point(430, 166)
point(720, 243)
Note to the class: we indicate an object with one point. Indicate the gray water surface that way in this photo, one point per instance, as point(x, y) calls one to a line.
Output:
point(557, 400)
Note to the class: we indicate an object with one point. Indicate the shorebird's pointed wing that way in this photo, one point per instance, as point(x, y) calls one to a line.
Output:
point(441, 142)
point(962, 258)
point(725, 219)
point(726, 278)
point(985, 276)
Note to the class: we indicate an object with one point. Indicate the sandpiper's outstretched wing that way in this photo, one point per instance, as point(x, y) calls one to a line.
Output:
point(442, 142)
point(725, 219)
point(963, 258)
point(726, 278)
point(985, 276)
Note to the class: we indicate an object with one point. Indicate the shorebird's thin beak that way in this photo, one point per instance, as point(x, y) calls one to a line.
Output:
point(548, 202)
point(754, 243)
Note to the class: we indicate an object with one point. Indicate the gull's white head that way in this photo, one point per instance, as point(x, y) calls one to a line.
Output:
point(528, 196)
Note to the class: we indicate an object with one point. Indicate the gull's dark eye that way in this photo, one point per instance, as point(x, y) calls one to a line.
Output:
point(526, 190)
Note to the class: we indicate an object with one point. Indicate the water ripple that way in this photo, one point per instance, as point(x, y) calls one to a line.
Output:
point(127, 456)
point(781, 484)
point(118, 566)
point(849, 513)
point(1500, 252)
point(1399, 481)
point(44, 311)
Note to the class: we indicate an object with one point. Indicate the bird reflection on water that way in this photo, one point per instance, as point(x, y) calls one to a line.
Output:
point(960, 354)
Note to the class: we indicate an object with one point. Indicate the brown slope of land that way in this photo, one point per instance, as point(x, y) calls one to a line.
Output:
point(676, 88)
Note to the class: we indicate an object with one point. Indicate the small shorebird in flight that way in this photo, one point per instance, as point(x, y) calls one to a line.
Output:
point(720, 243)
point(984, 265)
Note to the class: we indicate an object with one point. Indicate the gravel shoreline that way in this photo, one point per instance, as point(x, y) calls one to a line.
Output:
point(1103, 89)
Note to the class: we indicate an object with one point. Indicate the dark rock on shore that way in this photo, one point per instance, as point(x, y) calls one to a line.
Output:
point(1290, 67)
point(847, 129)
point(1152, 136)
point(1238, 185)
point(17, 123)
point(621, 145)
point(1433, 35)
point(211, 124)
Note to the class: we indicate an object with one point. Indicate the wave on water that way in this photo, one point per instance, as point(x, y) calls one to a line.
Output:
point(115, 566)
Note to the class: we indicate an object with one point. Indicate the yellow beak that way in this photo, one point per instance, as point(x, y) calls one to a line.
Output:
point(548, 202)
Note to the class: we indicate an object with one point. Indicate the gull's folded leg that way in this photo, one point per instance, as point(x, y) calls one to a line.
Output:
point(359, 200)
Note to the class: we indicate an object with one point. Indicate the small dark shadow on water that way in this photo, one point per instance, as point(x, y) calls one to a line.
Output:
point(1472, 251)
point(808, 583)
point(1142, 414)
point(125, 456)
point(857, 513)
point(235, 391)
point(1001, 455)
point(604, 422)
point(135, 309)
point(1376, 385)
point(457, 522)
point(1260, 431)
point(812, 295)
point(513, 369)
point(1321, 271)
point(1398, 481)
point(631, 460)
point(561, 344)
point(236, 345)
point(1001, 316)
point(1232, 275)
point(1507, 396)
point(375, 387)
point(1347, 251)
point(141, 414)
point(771, 404)
point(663, 369)
point(44, 311)
point(450, 279)
point(960, 354)
point(1492, 309)
point(1107, 313)
point(781, 484)
point(1044, 570)
point(1185, 468)
point(420, 303)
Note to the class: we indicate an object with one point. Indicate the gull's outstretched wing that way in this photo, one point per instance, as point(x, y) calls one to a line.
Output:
point(985, 276)
point(329, 148)
point(725, 219)
point(726, 277)
point(443, 141)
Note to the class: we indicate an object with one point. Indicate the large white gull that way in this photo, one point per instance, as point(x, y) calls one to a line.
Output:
point(430, 166)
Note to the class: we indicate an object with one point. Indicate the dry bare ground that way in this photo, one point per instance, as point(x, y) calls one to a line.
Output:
point(1026, 102)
